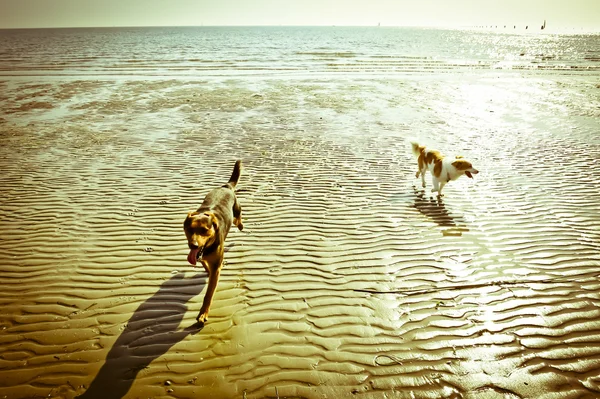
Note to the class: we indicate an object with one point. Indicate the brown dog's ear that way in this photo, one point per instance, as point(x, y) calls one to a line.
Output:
point(213, 220)
point(188, 219)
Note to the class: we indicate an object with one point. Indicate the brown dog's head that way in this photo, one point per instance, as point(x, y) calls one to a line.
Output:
point(200, 230)
point(465, 166)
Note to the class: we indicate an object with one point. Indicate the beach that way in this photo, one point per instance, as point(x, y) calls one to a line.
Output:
point(348, 280)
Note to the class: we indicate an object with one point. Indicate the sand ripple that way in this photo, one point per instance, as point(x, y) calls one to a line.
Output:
point(348, 278)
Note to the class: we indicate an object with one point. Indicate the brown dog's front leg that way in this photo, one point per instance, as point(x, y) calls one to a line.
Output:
point(213, 280)
point(205, 266)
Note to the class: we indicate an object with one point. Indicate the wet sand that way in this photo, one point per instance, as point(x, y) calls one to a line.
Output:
point(349, 279)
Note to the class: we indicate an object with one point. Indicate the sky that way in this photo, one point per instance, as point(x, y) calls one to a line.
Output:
point(561, 14)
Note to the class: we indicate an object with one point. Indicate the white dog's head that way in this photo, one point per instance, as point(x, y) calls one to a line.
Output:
point(465, 167)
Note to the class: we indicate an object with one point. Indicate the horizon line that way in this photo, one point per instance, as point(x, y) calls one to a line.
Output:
point(483, 27)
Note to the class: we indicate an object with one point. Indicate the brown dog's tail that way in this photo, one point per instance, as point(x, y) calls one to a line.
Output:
point(416, 148)
point(235, 176)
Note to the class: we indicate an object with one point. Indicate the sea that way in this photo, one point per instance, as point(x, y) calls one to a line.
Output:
point(291, 51)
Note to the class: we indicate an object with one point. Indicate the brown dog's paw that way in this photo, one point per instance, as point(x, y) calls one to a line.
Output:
point(238, 223)
point(202, 318)
point(203, 315)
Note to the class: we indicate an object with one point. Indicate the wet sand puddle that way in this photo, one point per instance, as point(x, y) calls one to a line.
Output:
point(348, 280)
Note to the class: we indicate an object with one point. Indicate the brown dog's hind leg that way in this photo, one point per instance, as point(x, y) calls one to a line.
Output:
point(237, 215)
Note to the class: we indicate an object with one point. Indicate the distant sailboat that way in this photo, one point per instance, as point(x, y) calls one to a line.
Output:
point(544, 26)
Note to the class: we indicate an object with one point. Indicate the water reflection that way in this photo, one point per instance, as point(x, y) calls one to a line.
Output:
point(435, 209)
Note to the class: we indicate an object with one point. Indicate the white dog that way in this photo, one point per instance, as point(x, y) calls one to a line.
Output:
point(441, 168)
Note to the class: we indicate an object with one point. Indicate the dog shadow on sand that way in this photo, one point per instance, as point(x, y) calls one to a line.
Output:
point(151, 332)
point(434, 209)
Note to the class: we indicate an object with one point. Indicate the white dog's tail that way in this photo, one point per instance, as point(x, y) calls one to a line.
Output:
point(416, 148)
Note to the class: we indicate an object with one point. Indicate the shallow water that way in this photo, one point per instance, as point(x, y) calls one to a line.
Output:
point(348, 280)
point(209, 51)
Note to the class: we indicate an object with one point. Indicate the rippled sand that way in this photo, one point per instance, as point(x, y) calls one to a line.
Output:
point(348, 280)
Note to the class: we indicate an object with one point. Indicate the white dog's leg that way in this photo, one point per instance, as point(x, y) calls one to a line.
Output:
point(442, 184)
point(436, 184)
point(422, 178)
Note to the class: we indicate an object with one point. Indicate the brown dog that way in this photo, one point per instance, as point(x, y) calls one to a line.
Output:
point(206, 231)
